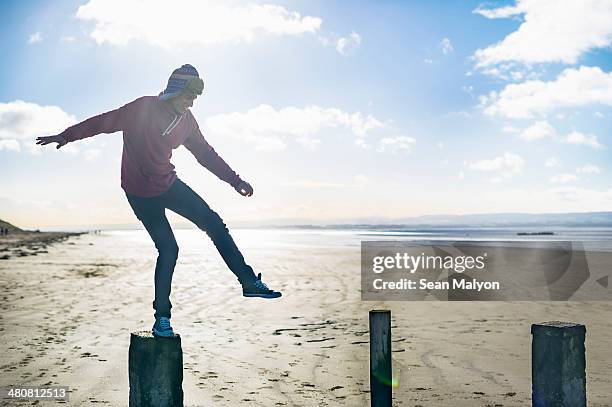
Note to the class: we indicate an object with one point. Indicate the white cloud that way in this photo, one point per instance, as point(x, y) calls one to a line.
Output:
point(538, 130)
point(268, 128)
point(459, 113)
point(517, 75)
point(349, 44)
point(511, 71)
point(510, 129)
point(578, 138)
point(187, 22)
point(396, 144)
point(542, 129)
point(551, 31)
point(311, 184)
point(588, 169)
point(67, 38)
point(501, 12)
point(507, 164)
point(91, 154)
point(35, 38)
point(360, 180)
point(21, 122)
point(563, 178)
point(9, 144)
point(70, 149)
point(461, 176)
point(584, 199)
point(446, 46)
point(467, 89)
point(552, 163)
point(360, 142)
point(572, 88)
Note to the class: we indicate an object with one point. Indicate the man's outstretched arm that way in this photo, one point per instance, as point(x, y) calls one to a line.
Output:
point(108, 122)
point(209, 159)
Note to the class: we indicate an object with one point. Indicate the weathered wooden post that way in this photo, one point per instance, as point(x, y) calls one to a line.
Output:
point(155, 370)
point(558, 365)
point(380, 358)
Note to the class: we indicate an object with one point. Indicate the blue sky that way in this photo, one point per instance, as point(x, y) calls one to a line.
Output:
point(334, 111)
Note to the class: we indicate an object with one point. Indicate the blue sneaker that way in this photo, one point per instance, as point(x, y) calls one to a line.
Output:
point(259, 289)
point(162, 327)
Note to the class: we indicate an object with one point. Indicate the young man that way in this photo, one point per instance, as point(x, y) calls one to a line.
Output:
point(152, 127)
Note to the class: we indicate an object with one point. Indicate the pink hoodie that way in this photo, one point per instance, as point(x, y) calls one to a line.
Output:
point(150, 132)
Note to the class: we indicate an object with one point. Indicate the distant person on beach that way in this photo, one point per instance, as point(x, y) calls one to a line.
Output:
point(152, 127)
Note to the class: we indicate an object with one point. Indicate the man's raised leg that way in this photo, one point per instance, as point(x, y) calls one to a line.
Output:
point(185, 202)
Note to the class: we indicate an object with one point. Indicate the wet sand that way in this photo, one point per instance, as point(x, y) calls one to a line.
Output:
point(67, 315)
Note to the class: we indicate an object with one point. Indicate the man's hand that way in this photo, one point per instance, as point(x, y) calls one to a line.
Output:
point(43, 141)
point(244, 188)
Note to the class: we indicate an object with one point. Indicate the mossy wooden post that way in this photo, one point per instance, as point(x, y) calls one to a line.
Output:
point(380, 358)
point(155, 370)
point(558, 366)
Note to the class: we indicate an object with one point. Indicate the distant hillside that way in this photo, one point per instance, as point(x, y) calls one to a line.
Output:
point(516, 219)
point(577, 219)
point(10, 227)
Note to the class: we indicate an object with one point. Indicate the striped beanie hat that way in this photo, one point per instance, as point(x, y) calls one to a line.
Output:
point(184, 78)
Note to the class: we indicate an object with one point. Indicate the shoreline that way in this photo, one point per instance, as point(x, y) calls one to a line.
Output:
point(27, 243)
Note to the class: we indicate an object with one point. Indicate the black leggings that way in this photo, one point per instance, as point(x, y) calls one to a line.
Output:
point(184, 201)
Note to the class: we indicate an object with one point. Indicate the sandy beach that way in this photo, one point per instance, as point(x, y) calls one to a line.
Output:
point(68, 311)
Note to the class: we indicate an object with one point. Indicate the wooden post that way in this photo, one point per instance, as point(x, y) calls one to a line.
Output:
point(558, 365)
point(155, 370)
point(380, 358)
